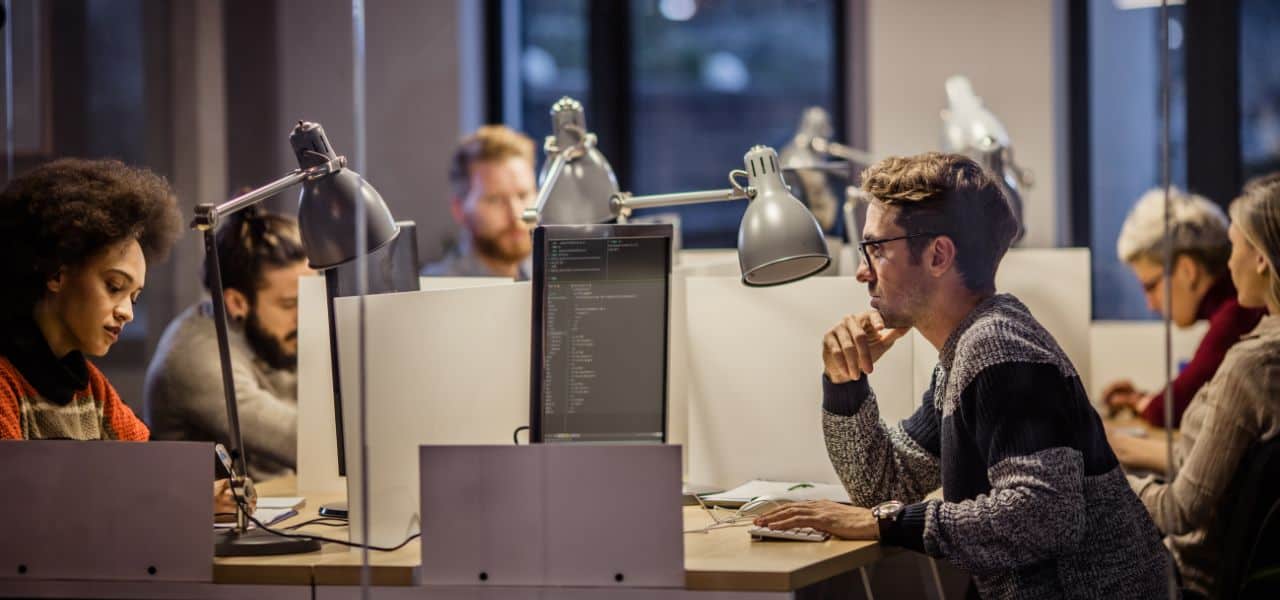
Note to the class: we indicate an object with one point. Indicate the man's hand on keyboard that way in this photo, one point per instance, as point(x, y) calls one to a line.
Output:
point(840, 520)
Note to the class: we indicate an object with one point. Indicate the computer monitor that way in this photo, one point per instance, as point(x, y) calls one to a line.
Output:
point(601, 300)
point(392, 268)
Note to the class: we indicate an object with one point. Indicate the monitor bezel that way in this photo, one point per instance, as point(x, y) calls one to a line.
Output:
point(542, 236)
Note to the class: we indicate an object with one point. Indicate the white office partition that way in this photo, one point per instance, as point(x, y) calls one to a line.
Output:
point(1055, 284)
point(443, 367)
point(1133, 350)
point(755, 391)
point(317, 439)
point(317, 435)
point(708, 262)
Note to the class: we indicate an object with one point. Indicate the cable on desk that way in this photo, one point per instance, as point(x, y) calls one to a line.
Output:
point(515, 435)
point(326, 521)
point(245, 507)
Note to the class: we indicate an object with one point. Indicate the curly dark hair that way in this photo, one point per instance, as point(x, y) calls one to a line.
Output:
point(63, 212)
point(948, 194)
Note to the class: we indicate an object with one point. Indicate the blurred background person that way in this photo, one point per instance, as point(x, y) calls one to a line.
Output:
point(1201, 290)
point(492, 182)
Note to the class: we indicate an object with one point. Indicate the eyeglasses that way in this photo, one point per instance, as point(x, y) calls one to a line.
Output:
point(876, 243)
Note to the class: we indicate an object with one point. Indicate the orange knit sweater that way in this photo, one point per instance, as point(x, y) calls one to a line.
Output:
point(25, 414)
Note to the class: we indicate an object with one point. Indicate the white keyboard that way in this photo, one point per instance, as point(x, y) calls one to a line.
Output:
point(800, 534)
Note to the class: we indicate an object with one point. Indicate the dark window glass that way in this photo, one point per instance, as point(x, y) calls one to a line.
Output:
point(1259, 87)
point(551, 62)
point(712, 79)
point(1125, 112)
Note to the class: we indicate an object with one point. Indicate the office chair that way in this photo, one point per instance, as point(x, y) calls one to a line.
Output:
point(1250, 563)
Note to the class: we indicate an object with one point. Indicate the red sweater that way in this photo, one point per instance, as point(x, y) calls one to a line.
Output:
point(95, 409)
point(1227, 322)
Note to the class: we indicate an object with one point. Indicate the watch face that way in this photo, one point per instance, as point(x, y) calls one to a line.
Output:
point(887, 509)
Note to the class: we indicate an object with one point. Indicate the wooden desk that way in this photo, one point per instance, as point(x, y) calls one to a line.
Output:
point(722, 559)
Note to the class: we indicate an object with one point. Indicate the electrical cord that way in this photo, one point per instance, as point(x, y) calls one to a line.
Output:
point(515, 435)
point(326, 521)
point(243, 505)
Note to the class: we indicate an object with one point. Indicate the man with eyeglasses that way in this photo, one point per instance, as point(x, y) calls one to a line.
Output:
point(1034, 503)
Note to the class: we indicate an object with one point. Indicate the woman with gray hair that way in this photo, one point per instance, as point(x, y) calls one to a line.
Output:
point(1201, 289)
point(1235, 412)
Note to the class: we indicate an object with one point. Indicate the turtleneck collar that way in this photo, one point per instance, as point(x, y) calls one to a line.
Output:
point(55, 379)
point(1222, 291)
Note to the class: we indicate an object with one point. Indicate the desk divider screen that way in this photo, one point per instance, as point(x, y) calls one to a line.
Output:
point(558, 515)
point(106, 511)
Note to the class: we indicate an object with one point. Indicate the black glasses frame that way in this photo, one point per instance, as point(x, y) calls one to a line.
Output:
point(866, 256)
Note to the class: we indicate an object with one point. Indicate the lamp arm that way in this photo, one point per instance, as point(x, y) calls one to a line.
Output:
point(558, 163)
point(622, 203)
point(838, 150)
point(224, 358)
point(208, 215)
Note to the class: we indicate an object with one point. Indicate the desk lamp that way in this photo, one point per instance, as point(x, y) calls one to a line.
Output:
point(778, 240)
point(807, 160)
point(333, 199)
point(576, 176)
point(970, 129)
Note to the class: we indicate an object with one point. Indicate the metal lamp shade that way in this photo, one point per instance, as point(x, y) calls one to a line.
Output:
point(327, 216)
point(581, 193)
point(778, 241)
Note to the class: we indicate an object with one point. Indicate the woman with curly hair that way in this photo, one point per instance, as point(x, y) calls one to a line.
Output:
point(77, 236)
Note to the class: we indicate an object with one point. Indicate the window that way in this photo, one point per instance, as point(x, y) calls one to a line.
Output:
point(547, 60)
point(1125, 114)
point(699, 83)
point(1259, 87)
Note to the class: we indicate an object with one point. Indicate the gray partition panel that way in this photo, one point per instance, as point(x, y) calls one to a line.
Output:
point(106, 510)
point(552, 515)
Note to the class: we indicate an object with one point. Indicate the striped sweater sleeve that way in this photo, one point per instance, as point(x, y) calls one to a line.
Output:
point(876, 462)
point(1022, 419)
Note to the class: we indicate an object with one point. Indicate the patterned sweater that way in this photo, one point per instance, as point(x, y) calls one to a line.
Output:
point(94, 413)
point(1035, 504)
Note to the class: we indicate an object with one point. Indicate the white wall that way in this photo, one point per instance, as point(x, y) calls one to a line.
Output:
point(1005, 47)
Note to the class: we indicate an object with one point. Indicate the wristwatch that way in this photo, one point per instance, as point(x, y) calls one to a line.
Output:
point(887, 513)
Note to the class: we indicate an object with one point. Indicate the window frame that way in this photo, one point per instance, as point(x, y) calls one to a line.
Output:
point(609, 48)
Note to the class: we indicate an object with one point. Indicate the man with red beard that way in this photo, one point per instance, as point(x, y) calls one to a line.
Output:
point(492, 182)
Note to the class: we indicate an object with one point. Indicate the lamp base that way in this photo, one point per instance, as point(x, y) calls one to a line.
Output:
point(257, 542)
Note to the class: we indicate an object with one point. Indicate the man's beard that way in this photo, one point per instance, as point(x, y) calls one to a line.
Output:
point(493, 247)
point(271, 350)
point(900, 315)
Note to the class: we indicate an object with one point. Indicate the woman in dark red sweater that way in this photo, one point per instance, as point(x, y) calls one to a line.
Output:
point(1201, 290)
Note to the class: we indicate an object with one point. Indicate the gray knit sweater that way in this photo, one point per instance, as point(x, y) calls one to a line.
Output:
point(1035, 504)
point(183, 397)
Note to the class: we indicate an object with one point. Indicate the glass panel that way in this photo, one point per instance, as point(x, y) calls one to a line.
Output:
point(552, 61)
point(708, 83)
point(1125, 115)
point(1259, 87)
